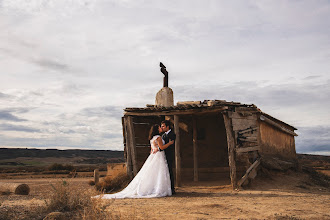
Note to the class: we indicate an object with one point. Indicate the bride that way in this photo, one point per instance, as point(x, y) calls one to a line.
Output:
point(153, 180)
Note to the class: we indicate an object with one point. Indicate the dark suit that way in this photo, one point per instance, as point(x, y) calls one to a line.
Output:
point(170, 153)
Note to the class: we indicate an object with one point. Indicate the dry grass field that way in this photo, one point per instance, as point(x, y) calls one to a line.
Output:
point(272, 195)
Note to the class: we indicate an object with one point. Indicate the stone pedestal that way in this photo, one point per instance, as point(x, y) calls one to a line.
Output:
point(165, 97)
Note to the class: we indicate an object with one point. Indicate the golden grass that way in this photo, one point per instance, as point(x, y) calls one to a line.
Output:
point(72, 201)
point(77, 203)
point(109, 184)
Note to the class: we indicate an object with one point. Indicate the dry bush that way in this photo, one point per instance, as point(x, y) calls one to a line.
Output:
point(76, 203)
point(91, 183)
point(64, 198)
point(109, 184)
point(58, 166)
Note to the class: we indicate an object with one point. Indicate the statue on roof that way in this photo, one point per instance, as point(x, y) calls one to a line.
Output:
point(164, 71)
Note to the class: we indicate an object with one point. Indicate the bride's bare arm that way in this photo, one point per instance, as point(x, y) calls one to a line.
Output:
point(163, 146)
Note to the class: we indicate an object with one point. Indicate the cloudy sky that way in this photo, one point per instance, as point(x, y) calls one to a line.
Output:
point(69, 67)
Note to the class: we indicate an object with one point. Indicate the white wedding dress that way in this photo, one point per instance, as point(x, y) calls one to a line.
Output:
point(153, 180)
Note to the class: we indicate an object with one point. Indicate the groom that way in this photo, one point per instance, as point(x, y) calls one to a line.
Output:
point(169, 151)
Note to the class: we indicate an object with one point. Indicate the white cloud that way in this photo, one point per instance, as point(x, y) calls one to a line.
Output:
point(74, 62)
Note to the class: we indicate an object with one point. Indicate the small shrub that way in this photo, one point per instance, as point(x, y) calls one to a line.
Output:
point(109, 184)
point(58, 166)
point(76, 203)
point(63, 198)
point(56, 172)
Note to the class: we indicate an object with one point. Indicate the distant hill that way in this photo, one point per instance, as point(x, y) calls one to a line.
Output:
point(11, 153)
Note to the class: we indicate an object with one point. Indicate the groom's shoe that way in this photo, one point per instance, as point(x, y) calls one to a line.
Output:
point(173, 192)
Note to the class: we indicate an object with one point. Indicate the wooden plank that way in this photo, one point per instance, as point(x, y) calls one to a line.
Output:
point(231, 150)
point(123, 125)
point(177, 151)
point(276, 125)
point(129, 165)
point(259, 135)
point(250, 135)
point(245, 110)
point(189, 103)
point(195, 148)
point(248, 139)
point(141, 123)
point(249, 171)
point(131, 143)
point(248, 131)
point(177, 112)
point(240, 150)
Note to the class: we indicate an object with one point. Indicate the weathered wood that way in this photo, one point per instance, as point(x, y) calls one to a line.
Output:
point(248, 139)
point(96, 176)
point(123, 125)
point(195, 148)
point(169, 118)
point(143, 145)
point(246, 110)
point(269, 121)
point(249, 131)
point(249, 172)
point(189, 103)
point(184, 126)
point(240, 150)
point(231, 150)
point(241, 124)
point(129, 165)
point(246, 116)
point(16, 188)
point(141, 123)
point(178, 112)
point(131, 143)
point(258, 134)
point(249, 135)
point(177, 151)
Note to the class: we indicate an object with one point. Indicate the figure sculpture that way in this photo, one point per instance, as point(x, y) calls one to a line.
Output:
point(164, 71)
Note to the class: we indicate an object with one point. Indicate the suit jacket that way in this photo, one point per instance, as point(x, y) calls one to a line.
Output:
point(170, 151)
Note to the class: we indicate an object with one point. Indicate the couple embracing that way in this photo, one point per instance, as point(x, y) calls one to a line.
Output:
point(155, 178)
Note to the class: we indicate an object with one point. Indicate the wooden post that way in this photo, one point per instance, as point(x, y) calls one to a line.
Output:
point(231, 149)
point(129, 166)
point(131, 143)
point(195, 148)
point(96, 176)
point(177, 152)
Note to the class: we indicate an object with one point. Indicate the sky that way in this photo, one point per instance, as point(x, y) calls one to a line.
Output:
point(68, 68)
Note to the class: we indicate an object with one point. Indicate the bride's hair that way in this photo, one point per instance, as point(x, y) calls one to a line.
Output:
point(153, 131)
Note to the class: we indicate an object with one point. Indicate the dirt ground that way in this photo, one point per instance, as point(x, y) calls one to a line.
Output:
point(282, 196)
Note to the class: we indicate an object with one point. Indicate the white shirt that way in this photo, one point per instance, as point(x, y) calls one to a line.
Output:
point(168, 132)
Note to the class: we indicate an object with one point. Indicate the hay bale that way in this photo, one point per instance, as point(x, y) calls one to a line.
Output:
point(16, 188)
